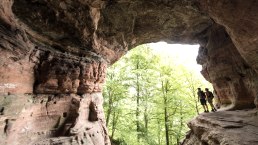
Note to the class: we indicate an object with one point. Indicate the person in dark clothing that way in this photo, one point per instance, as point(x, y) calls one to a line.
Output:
point(202, 98)
point(210, 97)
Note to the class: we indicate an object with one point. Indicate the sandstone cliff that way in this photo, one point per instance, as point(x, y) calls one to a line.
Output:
point(54, 55)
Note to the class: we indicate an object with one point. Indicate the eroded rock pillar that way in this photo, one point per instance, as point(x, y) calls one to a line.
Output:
point(233, 79)
point(82, 80)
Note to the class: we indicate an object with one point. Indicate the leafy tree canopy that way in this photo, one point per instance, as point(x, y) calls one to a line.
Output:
point(149, 98)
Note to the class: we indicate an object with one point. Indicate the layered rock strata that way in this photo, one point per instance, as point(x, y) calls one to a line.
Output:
point(63, 99)
point(223, 128)
point(42, 118)
point(54, 54)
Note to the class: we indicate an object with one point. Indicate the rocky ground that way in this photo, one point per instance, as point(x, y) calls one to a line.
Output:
point(238, 127)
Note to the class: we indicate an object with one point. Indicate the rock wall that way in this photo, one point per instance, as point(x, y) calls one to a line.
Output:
point(54, 55)
point(229, 60)
point(233, 79)
point(48, 95)
point(239, 19)
point(62, 98)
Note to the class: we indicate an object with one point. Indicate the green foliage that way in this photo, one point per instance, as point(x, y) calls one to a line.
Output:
point(148, 100)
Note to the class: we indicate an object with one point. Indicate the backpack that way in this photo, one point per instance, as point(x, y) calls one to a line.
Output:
point(210, 95)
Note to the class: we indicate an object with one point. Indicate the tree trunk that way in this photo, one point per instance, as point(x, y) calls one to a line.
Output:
point(159, 128)
point(196, 107)
point(166, 125)
point(138, 104)
point(146, 120)
point(181, 124)
point(114, 122)
point(110, 104)
point(110, 101)
point(165, 91)
point(195, 99)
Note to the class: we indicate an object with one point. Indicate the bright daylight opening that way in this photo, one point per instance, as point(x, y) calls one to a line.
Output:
point(151, 93)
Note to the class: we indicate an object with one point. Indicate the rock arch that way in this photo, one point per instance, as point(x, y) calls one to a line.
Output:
point(54, 56)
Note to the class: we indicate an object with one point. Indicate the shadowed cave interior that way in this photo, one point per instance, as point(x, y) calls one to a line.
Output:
point(54, 56)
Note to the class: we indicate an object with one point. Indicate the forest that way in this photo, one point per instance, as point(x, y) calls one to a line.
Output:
point(149, 98)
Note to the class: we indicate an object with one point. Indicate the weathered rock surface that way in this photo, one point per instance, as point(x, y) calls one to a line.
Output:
point(67, 74)
point(54, 54)
point(233, 79)
point(224, 128)
point(78, 119)
point(239, 19)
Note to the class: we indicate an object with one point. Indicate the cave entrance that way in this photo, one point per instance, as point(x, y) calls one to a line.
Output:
point(150, 94)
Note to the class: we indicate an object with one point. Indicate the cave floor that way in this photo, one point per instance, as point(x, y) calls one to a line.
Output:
point(238, 127)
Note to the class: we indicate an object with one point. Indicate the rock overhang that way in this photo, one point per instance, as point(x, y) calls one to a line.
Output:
point(110, 28)
point(56, 52)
